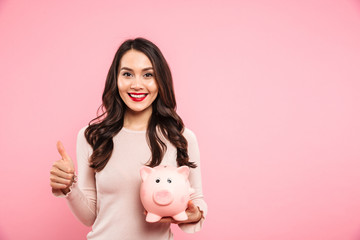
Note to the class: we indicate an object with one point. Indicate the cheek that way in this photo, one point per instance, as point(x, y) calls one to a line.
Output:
point(120, 84)
point(122, 88)
point(152, 86)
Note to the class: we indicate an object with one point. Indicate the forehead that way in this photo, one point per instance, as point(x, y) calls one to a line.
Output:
point(135, 60)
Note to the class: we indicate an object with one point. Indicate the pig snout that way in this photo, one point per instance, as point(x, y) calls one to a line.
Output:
point(163, 197)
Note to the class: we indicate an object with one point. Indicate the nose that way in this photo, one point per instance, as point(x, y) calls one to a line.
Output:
point(136, 84)
point(163, 197)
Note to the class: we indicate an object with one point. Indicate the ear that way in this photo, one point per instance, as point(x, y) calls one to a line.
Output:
point(184, 170)
point(145, 171)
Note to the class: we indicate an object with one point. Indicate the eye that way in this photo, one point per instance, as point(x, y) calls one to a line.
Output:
point(157, 180)
point(169, 180)
point(148, 75)
point(126, 74)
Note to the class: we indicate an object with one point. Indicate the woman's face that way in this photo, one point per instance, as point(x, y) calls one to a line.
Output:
point(136, 82)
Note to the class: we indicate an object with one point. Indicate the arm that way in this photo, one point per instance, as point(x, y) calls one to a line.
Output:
point(195, 180)
point(82, 195)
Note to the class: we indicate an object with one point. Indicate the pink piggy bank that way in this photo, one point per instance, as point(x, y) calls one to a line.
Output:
point(165, 192)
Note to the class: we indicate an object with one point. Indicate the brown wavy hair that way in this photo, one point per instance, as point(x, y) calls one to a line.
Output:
point(163, 121)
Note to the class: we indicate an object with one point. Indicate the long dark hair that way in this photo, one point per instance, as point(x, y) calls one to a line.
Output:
point(164, 120)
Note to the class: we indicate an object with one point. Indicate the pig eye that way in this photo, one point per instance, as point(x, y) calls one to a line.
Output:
point(169, 180)
point(157, 180)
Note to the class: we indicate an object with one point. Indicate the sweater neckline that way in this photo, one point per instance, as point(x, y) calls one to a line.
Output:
point(133, 131)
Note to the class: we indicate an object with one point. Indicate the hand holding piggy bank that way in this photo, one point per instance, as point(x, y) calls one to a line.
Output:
point(165, 192)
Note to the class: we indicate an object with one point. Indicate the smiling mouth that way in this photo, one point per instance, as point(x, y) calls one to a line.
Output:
point(138, 95)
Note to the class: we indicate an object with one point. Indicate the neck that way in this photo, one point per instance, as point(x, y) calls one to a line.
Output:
point(137, 121)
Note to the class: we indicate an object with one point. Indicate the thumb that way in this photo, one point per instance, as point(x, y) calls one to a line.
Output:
point(191, 206)
point(62, 152)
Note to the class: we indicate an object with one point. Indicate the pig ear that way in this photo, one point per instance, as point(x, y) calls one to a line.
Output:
point(145, 172)
point(183, 170)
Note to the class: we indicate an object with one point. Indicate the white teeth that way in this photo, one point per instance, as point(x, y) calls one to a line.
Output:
point(137, 96)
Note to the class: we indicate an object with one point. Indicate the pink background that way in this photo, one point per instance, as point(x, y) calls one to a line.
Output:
point(271, 89)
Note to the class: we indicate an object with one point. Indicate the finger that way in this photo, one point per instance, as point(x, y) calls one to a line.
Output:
point(193, 211)
point(191, 206)
point(166, 220)
point(57, 185)
point(63, 153)
point(60, 173)
point(64, 166)
point(56, 179)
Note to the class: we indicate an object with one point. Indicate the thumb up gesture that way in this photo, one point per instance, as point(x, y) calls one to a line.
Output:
point(62, 173)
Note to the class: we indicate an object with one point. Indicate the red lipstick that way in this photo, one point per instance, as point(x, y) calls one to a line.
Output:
point(137, 97)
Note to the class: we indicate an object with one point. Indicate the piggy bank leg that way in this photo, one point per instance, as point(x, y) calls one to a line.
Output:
point(151, 217)
point(181, 216)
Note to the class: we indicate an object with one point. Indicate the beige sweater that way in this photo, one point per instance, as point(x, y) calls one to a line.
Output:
point(109, 200)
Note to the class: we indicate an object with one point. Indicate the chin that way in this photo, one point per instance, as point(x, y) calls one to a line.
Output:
point(138, 109)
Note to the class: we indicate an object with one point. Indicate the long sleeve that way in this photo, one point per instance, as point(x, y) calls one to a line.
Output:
point(82, 196)
point(195, 181)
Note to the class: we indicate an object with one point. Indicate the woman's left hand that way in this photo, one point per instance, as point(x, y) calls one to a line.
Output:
point(193, 213)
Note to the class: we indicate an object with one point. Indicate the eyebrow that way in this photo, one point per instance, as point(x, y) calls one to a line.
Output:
point(129, 69)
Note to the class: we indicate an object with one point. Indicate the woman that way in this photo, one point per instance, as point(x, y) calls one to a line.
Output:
point(138, 126)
